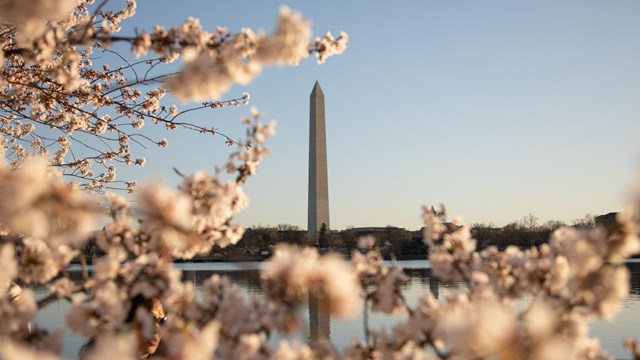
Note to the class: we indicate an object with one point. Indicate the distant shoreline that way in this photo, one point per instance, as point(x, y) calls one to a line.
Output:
point(259, 258)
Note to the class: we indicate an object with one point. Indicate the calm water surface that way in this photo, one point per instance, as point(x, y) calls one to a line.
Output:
point(246, 275)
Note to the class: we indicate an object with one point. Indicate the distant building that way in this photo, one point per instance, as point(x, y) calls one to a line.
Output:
point(372, 230)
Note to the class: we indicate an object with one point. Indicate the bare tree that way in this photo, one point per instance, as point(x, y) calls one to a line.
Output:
point(552, 225)
point(586, 222)
point(529, 221)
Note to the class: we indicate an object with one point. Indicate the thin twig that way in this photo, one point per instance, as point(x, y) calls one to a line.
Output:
point(85, 270)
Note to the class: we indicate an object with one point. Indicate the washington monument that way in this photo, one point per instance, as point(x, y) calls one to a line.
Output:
point(318, 184)
point(319, 319)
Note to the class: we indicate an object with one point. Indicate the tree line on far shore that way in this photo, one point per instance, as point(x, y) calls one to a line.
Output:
point(393, 241)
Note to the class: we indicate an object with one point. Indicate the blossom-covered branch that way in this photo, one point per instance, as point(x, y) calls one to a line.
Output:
point(72, 95)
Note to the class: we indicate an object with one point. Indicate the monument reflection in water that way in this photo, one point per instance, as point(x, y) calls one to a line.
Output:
point(319, 320)
point(317, 323)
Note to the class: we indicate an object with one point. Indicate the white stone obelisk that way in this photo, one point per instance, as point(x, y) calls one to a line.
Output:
point(318, 183)
point(319, 317)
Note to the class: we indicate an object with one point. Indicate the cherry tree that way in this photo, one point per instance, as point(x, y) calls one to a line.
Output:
point(69, 118)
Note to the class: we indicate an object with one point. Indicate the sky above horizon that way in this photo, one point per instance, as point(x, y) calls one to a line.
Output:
point(496, 109)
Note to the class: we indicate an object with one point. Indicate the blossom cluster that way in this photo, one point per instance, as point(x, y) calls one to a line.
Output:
point(579, 276)
point(291, 275)
point(47, 222)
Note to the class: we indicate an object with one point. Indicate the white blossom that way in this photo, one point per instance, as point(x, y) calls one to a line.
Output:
point(480, 329)
point(194, 345)
point(289, 43)
point(17, 313)
point(291, 274)
point(12, 349)
point(112, 346)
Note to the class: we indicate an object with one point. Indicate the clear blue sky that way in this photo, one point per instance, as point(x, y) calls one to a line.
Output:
point(495, 108)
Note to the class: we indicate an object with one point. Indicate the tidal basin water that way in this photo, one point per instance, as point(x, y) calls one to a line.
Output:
point(341, 331)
